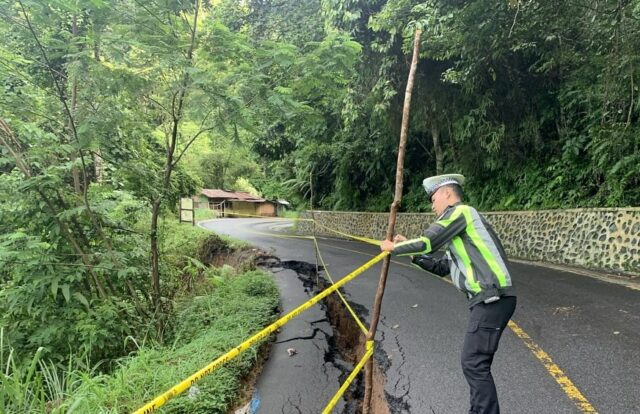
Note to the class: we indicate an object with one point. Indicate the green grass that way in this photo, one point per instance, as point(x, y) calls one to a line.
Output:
point(205, 214)
point(227, 308)
point(176, 237)
point(208, 327)
point(292, 214)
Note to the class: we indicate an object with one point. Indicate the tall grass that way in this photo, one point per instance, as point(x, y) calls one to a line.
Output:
point(21, 388)
point(39, 386)
point(208, 326)
point(292, 214)
point(213, 309)
point(205, 214)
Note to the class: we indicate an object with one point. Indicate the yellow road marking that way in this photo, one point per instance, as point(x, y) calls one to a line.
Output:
point(552, 368)
point(565, 383)
point(371, 255)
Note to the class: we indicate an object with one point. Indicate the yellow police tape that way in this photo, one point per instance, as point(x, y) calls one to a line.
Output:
point(161, 399)
point(351, 236)
point(362, 239)
point(237, 213)
point(349, 379)
point(349, 308)
point(324, 265)
point(346, 304)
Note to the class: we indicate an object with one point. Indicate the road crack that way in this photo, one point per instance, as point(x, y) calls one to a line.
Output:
point(346, 344)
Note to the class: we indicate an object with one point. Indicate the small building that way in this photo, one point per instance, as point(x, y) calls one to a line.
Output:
point(228, 202)
point(282, 206)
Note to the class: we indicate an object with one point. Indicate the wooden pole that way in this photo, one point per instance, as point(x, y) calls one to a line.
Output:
point(392, 219)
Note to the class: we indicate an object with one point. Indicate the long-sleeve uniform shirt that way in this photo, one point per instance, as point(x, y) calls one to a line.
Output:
point(475, 258)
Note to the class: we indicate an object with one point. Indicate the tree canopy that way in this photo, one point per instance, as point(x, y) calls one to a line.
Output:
point(111, 111)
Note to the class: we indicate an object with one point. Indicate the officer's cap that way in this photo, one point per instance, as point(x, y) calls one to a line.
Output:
point(431, 184)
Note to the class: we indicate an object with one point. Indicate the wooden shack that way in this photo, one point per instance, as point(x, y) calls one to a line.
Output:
point(225, 203)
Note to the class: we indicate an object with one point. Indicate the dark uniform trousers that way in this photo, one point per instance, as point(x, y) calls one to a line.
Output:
point(486, 323)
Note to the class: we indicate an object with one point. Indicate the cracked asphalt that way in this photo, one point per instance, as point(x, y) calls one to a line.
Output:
point(588, 327)
point(303, 381)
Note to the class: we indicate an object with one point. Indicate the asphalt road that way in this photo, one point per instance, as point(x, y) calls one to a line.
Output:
point(585, 327)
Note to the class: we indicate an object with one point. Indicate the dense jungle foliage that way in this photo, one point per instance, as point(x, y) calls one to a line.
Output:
point(536, 102)
point(112, 110)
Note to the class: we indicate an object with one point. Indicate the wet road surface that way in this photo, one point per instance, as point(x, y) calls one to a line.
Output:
point(588, 329)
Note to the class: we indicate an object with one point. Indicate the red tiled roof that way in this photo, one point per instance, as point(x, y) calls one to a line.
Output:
point(229, 195)
point(217, 193)
point(240, 195)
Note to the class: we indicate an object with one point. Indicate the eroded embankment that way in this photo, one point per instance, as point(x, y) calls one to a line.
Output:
point(346, 343)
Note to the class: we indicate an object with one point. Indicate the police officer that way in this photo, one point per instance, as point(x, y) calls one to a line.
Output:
point(478, 266)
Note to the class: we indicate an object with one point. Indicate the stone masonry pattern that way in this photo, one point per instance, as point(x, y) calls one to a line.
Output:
point(598, 239)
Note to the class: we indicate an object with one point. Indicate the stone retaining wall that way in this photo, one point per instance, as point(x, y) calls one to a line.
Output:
point(599, 239)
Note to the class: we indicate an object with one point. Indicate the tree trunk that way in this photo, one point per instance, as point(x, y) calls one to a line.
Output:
point(97, 155)
point(75, 173)
point(97, 166)
point(169, 166)
point(435, 133)
point(155, 255)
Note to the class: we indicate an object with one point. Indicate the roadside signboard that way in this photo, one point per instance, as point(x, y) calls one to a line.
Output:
point(187, 212)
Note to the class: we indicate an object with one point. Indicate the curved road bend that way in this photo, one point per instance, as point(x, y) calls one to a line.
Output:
point(587, 328)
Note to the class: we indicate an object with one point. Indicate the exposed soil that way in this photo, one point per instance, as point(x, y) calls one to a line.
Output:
point(215, 251)
point(347, 343)
point(249, 380)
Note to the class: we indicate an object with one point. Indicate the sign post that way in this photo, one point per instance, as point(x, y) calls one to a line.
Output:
point(187, 211)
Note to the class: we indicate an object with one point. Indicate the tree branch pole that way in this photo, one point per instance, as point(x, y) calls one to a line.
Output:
point(368, 387)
